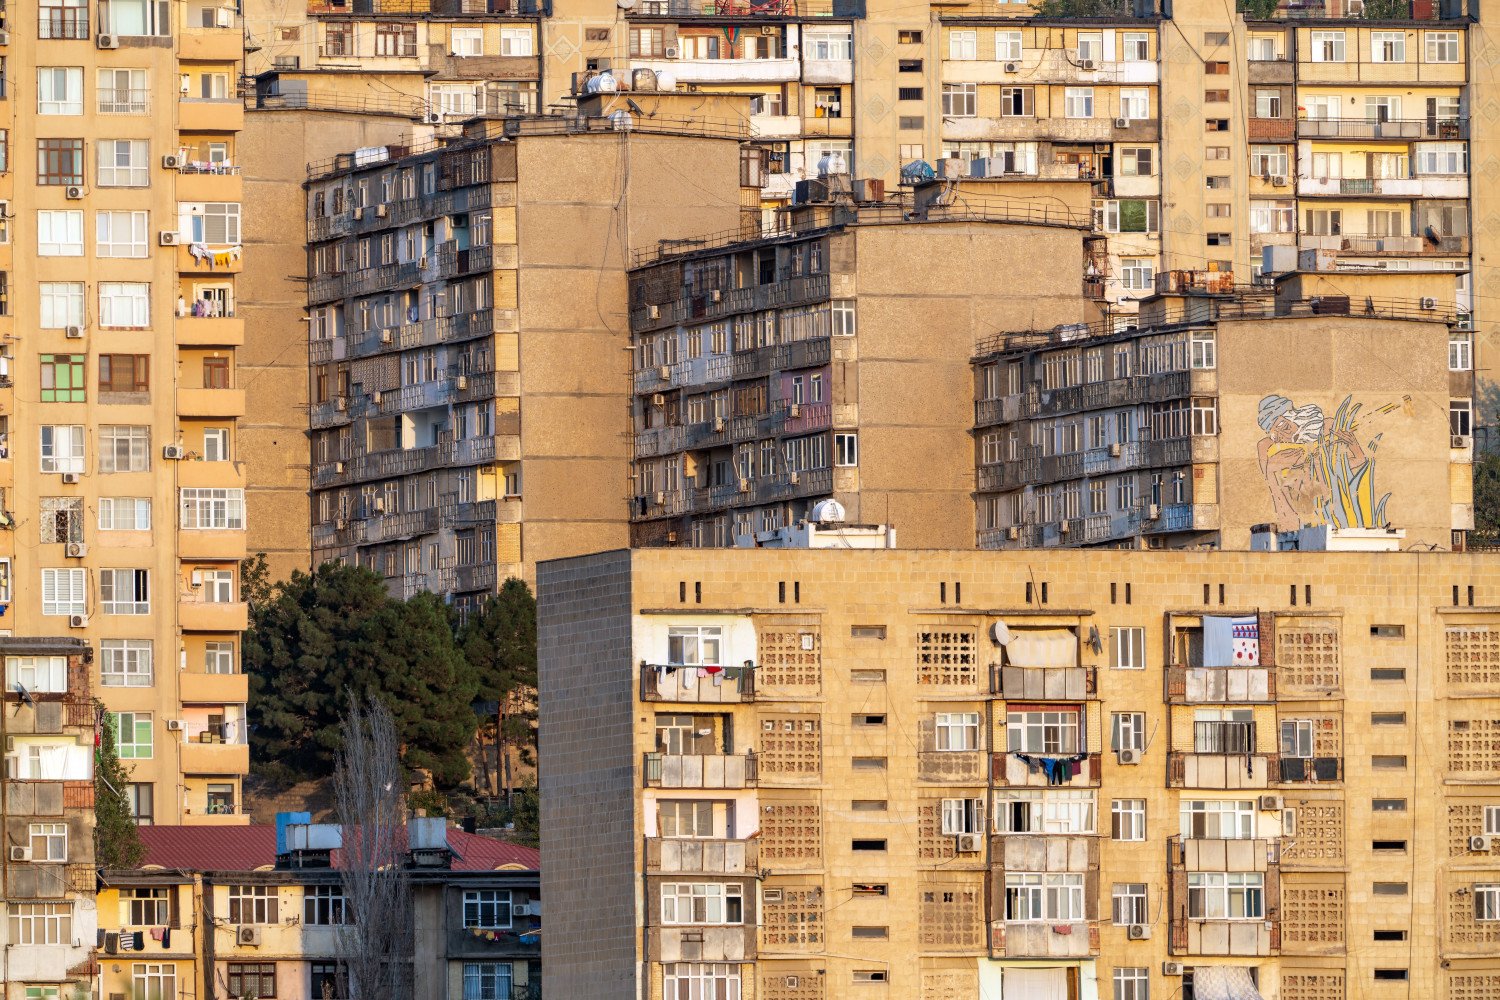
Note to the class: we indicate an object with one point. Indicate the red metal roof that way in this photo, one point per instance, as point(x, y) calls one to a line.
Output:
point(248, 848)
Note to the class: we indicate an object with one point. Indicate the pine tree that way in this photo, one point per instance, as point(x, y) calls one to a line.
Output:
point(500, 643)
point(117, 840)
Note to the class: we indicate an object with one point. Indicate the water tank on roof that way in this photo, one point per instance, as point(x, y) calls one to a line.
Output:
point(666, 80)
point(831, 164)
point(604, 83)
point(426, 833)
point(828, 511)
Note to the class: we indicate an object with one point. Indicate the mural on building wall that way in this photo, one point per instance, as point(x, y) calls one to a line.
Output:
point(1320, 469)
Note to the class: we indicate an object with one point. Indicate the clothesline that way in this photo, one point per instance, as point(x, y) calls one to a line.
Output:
point(1059, 770)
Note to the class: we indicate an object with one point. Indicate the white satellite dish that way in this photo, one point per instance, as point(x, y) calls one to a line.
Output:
point(828, 512)
point(625, 4)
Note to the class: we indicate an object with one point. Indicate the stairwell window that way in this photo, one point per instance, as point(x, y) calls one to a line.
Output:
point(1127, 644)
point(1127, 819)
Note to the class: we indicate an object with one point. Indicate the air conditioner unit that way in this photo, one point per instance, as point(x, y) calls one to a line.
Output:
point(72, 478)
point(1278, 180)
point(74, 192)
point(653, 312)
point(1171, 968)
point(341, 403)
point(718, 425)
point(1429, 303)
point(381, 211)
point(1122, 123)
point(1088, 64)
point(657, 399)
point(78, 621)
point(1012, 67)
point(794, 410)
point(20, 854)
point(1153, 511)
point(249, 935)
point(173, 452)
point(386, 336)
point(1479, 843)
point(670, 53)
point(664, 372)
point(1012, 533)
point(73, 332)
point(171, 162)
point(107, 42)
point(1138, 932)
point(462, 382)
point(75, 550)
point(744, 486)
point(1114, 450)
point(174, 725)
point(434, 118)
point(717, 295)
point(1458, 441)
point(1270, 803)
point(169, 238)
point(967, 843)
point(1130, 756)
point(359, 213)
point(768, 29)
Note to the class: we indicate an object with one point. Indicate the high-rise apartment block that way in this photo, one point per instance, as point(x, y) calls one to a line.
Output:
point(825, 774)
point(121, 479)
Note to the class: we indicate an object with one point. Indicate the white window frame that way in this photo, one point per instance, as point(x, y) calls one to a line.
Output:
point(1044, 897)
point(1051, 811)
point(963, 44)
point(122, 234)
point(1128, 731)
point(49, 101)
point(488, 980)
point(1129, 900)
point(135, 172)
point(488, 909)
point(1217, 895)
point(1078, 102)
point(719, 904)
point(1131, 983)
point(1219, 819)
point(59, 233)
point(1127, 819)
point(68, 590)
point(1008, 46)
point(1440, 46)
point(53, 838)
point(212, 509)
point(1135, 103)
point(708, 980)
point(41, 923)
point(465, 41)
point(1127, 647)
point(140, 723)
point(1387, 46)
point(517, 42)
point(125, 591)
point(136, 442)
point(125, 305)
point(695, 646)
point(62, 448)
point(124, 513)
point(37, 674)
point(960, 100)
point(846, 450)
point(61, 304)
point(254, 904)
point(956, 731)
point(962, 816)
point(1138, 273)
point(1045, 731)
point(126, 662)
point(1328, 46)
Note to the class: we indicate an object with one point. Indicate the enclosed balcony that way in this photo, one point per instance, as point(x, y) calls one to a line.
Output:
point(1043, 771)
point(673, 855)
point(697, 685)
point(663, 770)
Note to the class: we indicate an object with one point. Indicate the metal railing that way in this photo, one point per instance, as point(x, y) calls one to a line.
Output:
point(1363, 128)
point(758, 9)
point(63, 22)
point(124, 102)
point(1224, 737)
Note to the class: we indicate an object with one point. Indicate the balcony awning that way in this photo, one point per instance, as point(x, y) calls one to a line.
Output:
point(1224, 982)
point(1056, 647)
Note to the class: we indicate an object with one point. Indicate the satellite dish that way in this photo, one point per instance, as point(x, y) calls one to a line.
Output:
point(625, 4)
point(828, 512)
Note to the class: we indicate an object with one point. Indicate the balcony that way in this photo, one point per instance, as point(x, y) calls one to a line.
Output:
point(1404, 130)
point(735, 943)
point(673, 683)
point(756, 10)
point(957, 766)
point(63, 23)
point(224, 43)
point(720, 71)
point(1432, 186)
point(200, 543)
point(1189, 769)
point(1007, 770)
point(699, 770)
point(211, 475)
point(225, 259)
point(1044, 939)
point(194, 615)
point(1271, 129)
point(671, 855)
point(215, 758)
point(1220, 685)
point(1043, 683)
point(1387, 246)
point(827, 71)
point(213, 689)
point(1037, 852)
point(193, 186)
point(207, 115)
point(1412, 10)
point(775, 126)
point(210, 402)
point(210, 331)
point(1297, 770)
point(1065, 130)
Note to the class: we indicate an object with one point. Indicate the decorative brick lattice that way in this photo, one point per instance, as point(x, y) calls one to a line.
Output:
point(1308, 654)
point(1463, 928)
point(948, 657)
point(1320, 833)
point(932, 843)
point(1473, 745)
point(1473, 654)
point(1324, 984)
point(805, 985)
point(944, 984)
point(1466, 820)
point(951, 914)
point(790, 657)
point(791, 746)
point(1473, 986)
point(791, 835)
point(792, 917)
point(1328, 736)
point(1312, 918)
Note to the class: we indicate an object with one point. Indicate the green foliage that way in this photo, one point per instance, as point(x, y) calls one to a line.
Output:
point(1258, 10)
point(117, 840)
point(1387, 10)
point(1486, 499)
point(1083, 8)
point(319, 637)
point(500, 644)
point(255, 581)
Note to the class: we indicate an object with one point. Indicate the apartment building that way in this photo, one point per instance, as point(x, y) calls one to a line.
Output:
point(258, 911)
point(468, 336)
point(825, 358)
point(47, 812)
point(833, 773)
point(123, 484)
point(1326, 400)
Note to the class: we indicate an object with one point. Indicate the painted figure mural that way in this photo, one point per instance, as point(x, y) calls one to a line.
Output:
point(1319, 469)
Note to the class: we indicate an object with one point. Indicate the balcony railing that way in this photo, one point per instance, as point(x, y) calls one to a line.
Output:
point(674, 682)
point(63, 22)
point(1363, 128)
point(755, 9)
point(124, 102)
point(710, 857)
point(700, 770)
point(1220, 685)
point(1341, 10)
point(1006, 769)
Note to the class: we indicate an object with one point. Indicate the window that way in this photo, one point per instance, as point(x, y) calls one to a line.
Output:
point(139, 798)
point(124, 514)
point(1226, 896)
point(1136, 161)
point(59, 234)
point(41, 923)
point(466, 41)
point(1127, 216)
point(959, 100)
point(59, 161)
point(695, 645)
point(214, 222)
point(395, 39)
point(217, 585)
point(61, 304)
point(1039, 897)
point(253, 904)
point(908, 93)
point(1135, 103)
point(125, 591)
point(1214, 819)
point(685, 818)
point(218, 658)
point(487, 981)
point(963, 816)
point(122, 92)
point(828, 45)
point(1442, 158)
point(124, 305)
point(125, 662)
point(957, 730)
point(846, 450)
point(134, 736)
point(120, 234)
point(1460, 417)
point(1127, 819)
point(1138, 273)
point(218, 509)
point(1043, 731)
point(1205, 416)
point(62, 378)
point(963, 44)
point(1442, 46)
point(1127, 644)
point(124, 373)
point(1078, 102)
point(63, 591)
point(515, 42)
point(145, 907)
point(1297, 738)
point(216, 444)
point(1268, 161)
point(705, 980)
point(1387, 46)
point(1202, 349)
point(1137, 46)
point(646, 42)
point(701, 903)
point(1008, 46)
point(1129, 903)
point(123, 163)
point(909, 37)
point(1327, 46)
point(37, 674)
point(323, 904)
point(252, 979)
point(124, 448)
point(59, 90)
point(1128, 731)
point(487, 908)
point(1132, 983)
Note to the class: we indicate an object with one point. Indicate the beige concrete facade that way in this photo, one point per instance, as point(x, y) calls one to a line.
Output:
point(820, 748)
point(123, 472)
